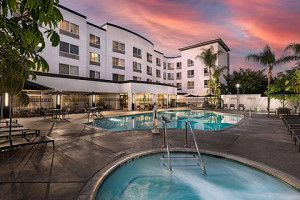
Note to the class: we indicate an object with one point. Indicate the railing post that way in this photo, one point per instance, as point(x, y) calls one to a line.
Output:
point(164, 135)
point(186, 130)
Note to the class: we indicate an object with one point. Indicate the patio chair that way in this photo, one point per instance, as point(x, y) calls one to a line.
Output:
point(225, 106)
point(231, 106)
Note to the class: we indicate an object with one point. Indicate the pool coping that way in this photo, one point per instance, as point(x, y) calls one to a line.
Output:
point(243, 118)
point(90, 189)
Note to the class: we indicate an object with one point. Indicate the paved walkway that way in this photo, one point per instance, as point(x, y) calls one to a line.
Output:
point(38, 172)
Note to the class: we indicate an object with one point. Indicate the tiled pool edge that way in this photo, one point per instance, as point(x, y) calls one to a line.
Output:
point(90, 189)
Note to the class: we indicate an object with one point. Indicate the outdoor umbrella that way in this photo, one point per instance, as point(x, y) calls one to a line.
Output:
point(57, 93)
point(92, 94)
point(283, 93)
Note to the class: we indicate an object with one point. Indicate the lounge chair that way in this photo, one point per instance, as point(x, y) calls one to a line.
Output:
point(297, 139)
point(23, 133)
point(225, 106)
point(294, 133)
point(25, 142)
point(231, 106)
point(293, 127)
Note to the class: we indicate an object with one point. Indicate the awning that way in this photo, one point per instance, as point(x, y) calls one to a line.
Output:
point(35, 86)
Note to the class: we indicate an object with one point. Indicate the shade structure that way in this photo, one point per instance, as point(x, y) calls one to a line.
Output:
point(209, 95)
point(191, 95)
point(283, 93)
point(35, 86)
point(57, 92)
point(92, 93)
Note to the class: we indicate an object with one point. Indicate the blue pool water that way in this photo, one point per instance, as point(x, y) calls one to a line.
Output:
point(204, 120)
point(148, 178)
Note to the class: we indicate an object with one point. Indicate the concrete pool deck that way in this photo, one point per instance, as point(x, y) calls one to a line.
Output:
point(68, 172)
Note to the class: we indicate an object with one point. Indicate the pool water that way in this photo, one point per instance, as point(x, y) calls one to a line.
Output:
point(148, 177)
point(204, 120)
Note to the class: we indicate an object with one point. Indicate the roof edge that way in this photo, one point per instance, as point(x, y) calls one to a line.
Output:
point(116, 26)
point(219, 40)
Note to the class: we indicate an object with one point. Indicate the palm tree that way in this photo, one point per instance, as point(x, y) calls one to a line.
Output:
point(209, 58)
point(295, 48)
point(217, 71)
point(266, 58)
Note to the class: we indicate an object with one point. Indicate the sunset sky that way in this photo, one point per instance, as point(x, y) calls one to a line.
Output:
point(244, 25)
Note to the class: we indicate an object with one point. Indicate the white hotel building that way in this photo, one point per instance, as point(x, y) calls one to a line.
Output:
point(121, 66)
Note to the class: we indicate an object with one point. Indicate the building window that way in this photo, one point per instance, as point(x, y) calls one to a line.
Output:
point(206, 72)
point(149, 70)
point(165, 76)
point(158, 62)
point(190, 73)
point(94, 41)
point(137, 52)
point(118, 47)
point(69, 29)
point(149, 57)
point(94, 74)
point(137, 78)
point(69, 48)
point(158, 73)
point(65, 25)
point(206, 83)
point(68, 69)
point(170, 66)
point(149, 80)
point(137, 67)
point(179, 86)
point(170, 76)
point(190, 84)
point(94, 59)
point(118, 63)
point(118, 77)
point(165, 65)
point(178, 75)
point(190, 63)
point(179, 64)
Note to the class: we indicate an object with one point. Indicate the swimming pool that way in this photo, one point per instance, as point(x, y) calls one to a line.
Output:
point(204, 120)
point(148, 177)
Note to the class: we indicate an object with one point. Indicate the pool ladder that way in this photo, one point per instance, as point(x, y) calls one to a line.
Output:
point(166, 143)
point(196, 145)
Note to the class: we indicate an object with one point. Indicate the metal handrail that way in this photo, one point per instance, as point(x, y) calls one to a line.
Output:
point(192, 132)
point(166, 141)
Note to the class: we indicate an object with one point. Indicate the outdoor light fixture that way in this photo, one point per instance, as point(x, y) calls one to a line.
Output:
point(58, 100)
point(93, 100)
point(237, 95)
point(6, 99)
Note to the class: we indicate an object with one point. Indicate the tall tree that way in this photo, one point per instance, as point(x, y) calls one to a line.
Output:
point(23, 25)
point(217, 71)
point(209, 58)
point(251, 81)
point(288, 81)
point(266, 58)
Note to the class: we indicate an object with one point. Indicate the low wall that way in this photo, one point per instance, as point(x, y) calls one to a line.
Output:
point(255, 101)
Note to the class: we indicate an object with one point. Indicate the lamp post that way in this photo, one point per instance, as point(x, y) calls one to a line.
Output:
point(237, 95)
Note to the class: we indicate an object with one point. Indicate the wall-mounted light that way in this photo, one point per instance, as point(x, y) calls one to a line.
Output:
point(6, 99)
